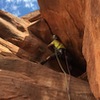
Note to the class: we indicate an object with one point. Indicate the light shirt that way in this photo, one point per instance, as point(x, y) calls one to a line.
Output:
point(57, 44)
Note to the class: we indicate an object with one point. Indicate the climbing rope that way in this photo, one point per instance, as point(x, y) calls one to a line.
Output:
point(49, 27)
point(67, 82)
point(68, 86)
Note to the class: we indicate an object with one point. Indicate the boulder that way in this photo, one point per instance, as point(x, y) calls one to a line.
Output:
point(11, 33)
point(14, 20)
point(19, 87)
point(20, 79)
point(25, 40)
point(8, 49)
point(33, 16)
point(91, 45)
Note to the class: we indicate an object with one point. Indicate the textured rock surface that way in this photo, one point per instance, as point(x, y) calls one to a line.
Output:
point(33, 16)
point(91, 45)
point(27, 45)
point(44, 83)
point(27, 40)
point(13, 20)
point(67, 24)
point(30, 43)
point(41, 30)
point(8, 49)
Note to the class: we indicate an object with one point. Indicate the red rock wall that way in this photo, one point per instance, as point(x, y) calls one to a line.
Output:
point(91, 44)
point(31, 44)
point(24, 78)
point(66, 19)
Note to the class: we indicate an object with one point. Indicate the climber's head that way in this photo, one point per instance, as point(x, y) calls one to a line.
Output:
point(54, 37)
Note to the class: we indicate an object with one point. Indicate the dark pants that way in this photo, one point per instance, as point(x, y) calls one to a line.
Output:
point(61, 53)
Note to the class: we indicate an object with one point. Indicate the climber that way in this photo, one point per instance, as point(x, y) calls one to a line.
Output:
point(59, 48)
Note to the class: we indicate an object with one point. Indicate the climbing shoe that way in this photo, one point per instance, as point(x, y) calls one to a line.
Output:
point(43, 62)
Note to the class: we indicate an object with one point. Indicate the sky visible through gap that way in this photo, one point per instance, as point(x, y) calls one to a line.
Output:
point(19, 7)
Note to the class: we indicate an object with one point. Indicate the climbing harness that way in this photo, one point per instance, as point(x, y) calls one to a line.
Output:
point(67, 81)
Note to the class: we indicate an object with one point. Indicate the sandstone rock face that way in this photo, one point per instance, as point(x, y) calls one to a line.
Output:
point(22, 44)
point(67, 24)
point(41, 30)
point(8, 49)
point(23, 78)
point(13, 20)
point(91, 45)
point(30, 43)
point(33, 16)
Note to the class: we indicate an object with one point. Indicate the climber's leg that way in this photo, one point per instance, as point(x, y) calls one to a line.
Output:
point(47, 59)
